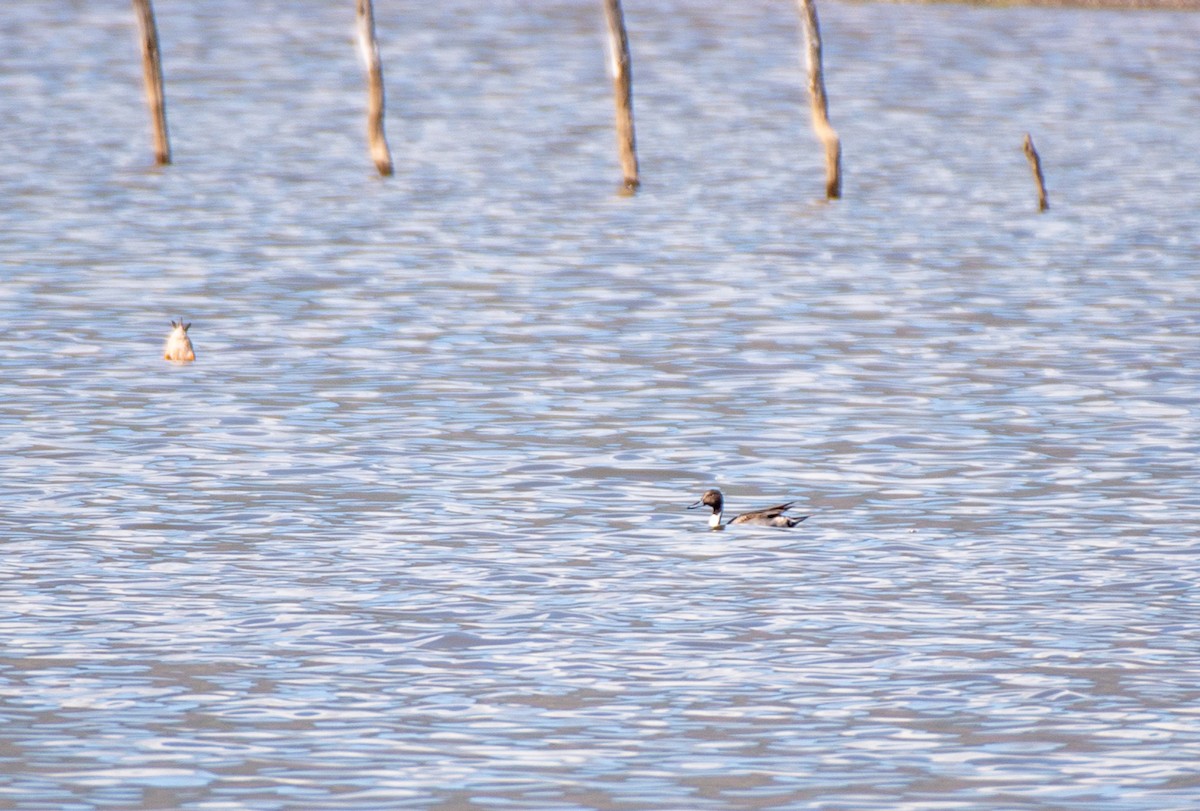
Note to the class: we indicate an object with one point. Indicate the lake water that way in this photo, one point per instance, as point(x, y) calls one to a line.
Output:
point(411, 531)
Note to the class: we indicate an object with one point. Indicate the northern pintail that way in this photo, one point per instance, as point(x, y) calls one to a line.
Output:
point(179, 345)
point(766, 517)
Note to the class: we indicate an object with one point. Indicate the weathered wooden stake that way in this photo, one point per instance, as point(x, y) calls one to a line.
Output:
point(619, 64)
point(820, 104)
point(367, 47)
point(1035, 163)
point(153, 77)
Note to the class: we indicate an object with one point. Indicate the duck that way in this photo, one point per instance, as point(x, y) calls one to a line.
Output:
point(766, 517)
point(179, 345)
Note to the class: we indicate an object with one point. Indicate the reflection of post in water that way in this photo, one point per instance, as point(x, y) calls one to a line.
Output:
point(153, 77)
point(619, 63)
point(1035, 163)
point(367, 47)
point(820, 105)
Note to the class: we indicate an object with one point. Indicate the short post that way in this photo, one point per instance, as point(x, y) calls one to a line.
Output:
point(153, 79)
point(369, 50)
point(1035, 163)
point(619, 65)
point(820, 104)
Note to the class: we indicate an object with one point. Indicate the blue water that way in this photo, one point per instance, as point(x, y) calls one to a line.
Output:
point(411, 531)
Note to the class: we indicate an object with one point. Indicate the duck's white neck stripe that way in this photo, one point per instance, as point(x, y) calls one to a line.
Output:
point(714, 520)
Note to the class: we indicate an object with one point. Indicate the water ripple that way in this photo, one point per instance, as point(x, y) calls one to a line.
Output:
point(411, 533)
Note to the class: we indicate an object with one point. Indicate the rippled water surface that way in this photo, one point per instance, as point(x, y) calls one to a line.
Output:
point(410, 532)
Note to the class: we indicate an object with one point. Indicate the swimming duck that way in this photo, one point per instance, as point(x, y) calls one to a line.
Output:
point(766, 517)
point(179, 345)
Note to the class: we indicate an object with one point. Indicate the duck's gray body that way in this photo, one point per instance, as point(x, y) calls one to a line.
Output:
point(766, 517)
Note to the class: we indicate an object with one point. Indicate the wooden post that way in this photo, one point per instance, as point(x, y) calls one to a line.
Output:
point(820, 105)
point(367, 47)
point(619, 65)
point(1035, 163)
point(153, 78)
